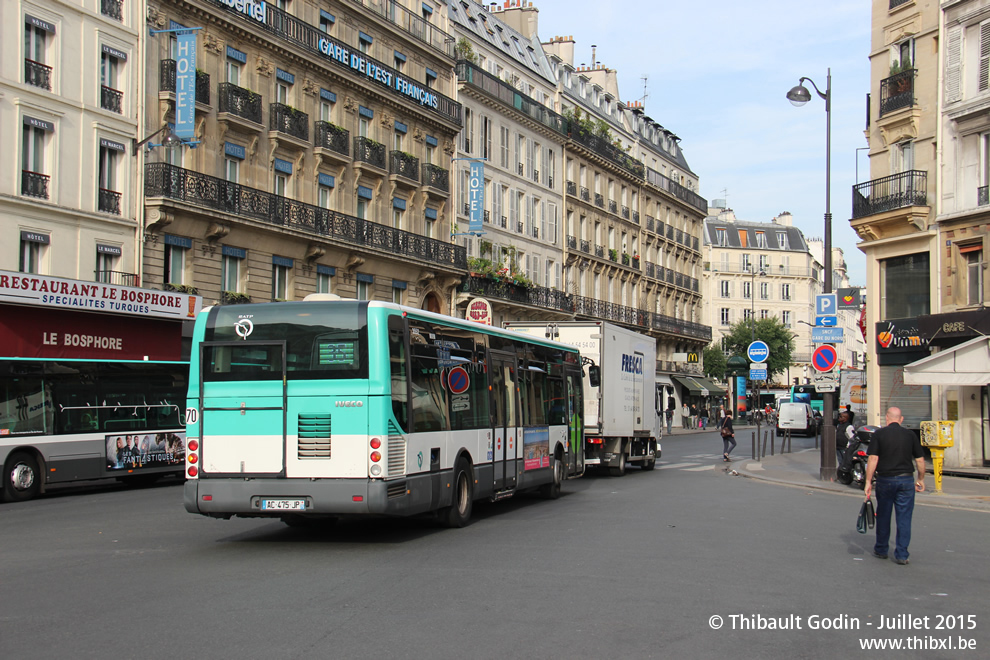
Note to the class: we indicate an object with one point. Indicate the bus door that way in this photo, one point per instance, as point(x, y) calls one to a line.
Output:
point(575, 423)
point(243, 402)
point(505, 414)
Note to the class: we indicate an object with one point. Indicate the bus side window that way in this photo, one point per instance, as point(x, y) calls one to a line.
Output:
point(397, 371)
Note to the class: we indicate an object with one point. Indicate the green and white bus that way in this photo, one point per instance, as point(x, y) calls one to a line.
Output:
point(327, 407)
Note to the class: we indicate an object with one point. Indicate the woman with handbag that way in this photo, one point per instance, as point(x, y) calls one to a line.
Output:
point(728, 437)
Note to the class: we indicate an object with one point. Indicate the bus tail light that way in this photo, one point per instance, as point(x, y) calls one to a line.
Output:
point(376, 443)
point(192, 471)
point(193, 445)
point(192, 457)
point(376, 456)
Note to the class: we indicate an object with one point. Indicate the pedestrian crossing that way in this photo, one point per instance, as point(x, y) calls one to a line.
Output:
point(692, 463)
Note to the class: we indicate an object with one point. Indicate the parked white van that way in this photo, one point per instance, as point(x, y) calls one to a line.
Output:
point(798, 417)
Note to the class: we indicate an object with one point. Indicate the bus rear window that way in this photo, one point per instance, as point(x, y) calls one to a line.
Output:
point(323, 340)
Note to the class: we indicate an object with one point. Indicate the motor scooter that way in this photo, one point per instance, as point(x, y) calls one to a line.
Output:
point(853, 459)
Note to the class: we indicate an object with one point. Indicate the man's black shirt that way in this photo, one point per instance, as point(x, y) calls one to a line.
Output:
point(896, 447)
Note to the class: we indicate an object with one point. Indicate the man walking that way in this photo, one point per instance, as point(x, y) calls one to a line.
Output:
point(685, 416)
point(703, 414)
point(892, 451)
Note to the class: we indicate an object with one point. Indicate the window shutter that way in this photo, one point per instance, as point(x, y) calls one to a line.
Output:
point(953, 61)
point(984, 56)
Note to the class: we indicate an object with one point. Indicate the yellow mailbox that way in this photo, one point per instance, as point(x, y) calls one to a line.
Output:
point(937, 435)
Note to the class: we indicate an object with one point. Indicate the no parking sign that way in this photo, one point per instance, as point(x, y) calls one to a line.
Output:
point(458, 380)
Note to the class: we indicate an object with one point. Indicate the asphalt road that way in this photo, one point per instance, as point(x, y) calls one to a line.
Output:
point(631, 567)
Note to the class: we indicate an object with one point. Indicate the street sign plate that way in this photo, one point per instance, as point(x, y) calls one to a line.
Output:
point(827, 335)
point(825, 358)
point(825, 388)
point(825, 304)
point(758, 365)
point(826, 321)
point(757, 374)
point(826, 382)
point(758, 351)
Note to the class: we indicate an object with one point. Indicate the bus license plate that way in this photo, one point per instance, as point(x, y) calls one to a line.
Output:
point(283, 505)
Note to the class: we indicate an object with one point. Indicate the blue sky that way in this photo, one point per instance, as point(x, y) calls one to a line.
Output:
point(718, 74)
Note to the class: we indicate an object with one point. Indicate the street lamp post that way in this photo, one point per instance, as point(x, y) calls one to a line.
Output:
point(798, 96)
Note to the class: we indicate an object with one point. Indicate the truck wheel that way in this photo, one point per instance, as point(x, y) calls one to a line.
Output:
point(621, 469)
point(551, 491)
point(459, 512)
point(650, 462)
point(22, 478)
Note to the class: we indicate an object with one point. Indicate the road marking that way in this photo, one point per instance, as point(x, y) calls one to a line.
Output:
point(699, 469)
point(674, 466)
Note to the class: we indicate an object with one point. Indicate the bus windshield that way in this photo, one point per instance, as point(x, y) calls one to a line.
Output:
point(321, 341)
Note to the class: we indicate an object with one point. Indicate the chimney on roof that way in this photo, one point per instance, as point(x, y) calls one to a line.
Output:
point(593, 47)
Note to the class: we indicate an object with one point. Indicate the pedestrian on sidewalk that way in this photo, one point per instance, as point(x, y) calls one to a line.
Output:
point(703, 414)
point(669, 415)
point(685, 416)
point(694, 416)
point(728, 437)
point(894, 452)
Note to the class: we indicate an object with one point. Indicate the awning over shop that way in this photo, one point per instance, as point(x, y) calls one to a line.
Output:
point(699, 386)
point(664, 380)
point(714, 389)
point(965, 364)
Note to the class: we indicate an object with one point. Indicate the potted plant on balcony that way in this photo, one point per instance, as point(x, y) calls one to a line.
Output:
point(613, 254)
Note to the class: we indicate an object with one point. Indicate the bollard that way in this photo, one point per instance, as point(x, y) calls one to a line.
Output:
point(764, 450)
point(788, 443)
point(754, 446)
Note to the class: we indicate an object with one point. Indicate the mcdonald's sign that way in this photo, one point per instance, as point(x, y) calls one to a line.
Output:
point(692, 358)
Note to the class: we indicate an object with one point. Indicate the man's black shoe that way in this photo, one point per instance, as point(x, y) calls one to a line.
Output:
point(879, 556)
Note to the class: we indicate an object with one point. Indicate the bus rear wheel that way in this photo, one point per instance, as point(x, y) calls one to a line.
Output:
point(551, 491)
point(459, 512)
point(22, 478)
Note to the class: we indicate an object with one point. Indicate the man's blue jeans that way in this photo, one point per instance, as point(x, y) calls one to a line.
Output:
point(894, 494)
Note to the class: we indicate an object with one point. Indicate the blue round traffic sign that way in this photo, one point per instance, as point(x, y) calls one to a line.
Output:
point(825, 358)
point(758, 351)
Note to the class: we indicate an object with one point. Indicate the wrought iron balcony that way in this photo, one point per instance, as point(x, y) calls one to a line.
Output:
point(896, 191)
point(585, 194)
point(411, 23)
point(675, 189)
point(239, 102)
point(109, 201)
point(110, 99)
point(520, 227)
point(487, 216)
point(501, 91)
point(603, 147)
point(626, 260)
point(333, 137)
point(893, 5)
point(34, 184)
point(897, 91)
point(649, 269)
point(38, 74)
point(404, 165)
point(600, 251)
point(113, 9)
point(436, 177)
point(115, 277)
point(166, 81)
point(599, 200)
point(625, 214)
point(572, 188)
point(613, 206)
point(585, 246)
point(286, 119)
point(572, 242)
point(550, 182)
point(368, 151)
point(535, 296)
point(661, 228)
point(536, 231)
point(694, 243)
point(649, 223)
point(536, 176)
point(503, 222)
point(600, 309)
point(983, 195)
point(211, 193)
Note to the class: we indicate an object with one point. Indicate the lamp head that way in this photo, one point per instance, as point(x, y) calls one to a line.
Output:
point(170, 140)
point(799, 95)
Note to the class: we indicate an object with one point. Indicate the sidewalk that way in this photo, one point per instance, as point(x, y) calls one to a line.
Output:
point(801, 468)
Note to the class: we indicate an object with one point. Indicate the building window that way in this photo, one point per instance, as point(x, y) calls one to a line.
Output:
point(323, 277)
point(468, 131)
point(324, 197)
point(282, 4)
point(232, 168)
point(504, 146)
point(747, 262)
point(764, 291)
point(747, 314)
point(280, 281)
point(724, 314)
point(327, 21)
point(32, 250)
point(110, 95)
point(396, 217)
point(785, 291)
point(764, 262)
point(282, 93)
point(233, 72)
point(36, 72)
point(486, 137)
point(398, 292)
point(761, 240)
point(724, 288)
point(34, 181)
point(764, 313)
point(106, 263)
point(785, 318)
point(904, 286)
point(364, 283)
point(902, 157)
point(747, 290)
point(782, 241)
point(722, 237)
point(230, 273)
point(973, 254)
point(364, 42)
point(175, 264)
point(108, 198)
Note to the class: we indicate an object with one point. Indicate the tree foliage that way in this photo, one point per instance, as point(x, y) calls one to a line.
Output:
point(715, 362)
point(770, 330)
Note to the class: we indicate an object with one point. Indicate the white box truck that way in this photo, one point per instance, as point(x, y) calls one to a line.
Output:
point(621, 422)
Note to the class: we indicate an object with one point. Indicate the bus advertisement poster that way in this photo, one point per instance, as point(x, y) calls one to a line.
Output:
point(136, 451)
point(536, 448)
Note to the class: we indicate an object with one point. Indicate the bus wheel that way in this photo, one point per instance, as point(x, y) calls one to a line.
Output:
point(551, 491)
point(621, 469)
point(459, 512)
point(22, 478)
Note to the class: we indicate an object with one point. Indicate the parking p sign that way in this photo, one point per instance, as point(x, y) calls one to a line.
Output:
point(758, 351)
point(825, 304)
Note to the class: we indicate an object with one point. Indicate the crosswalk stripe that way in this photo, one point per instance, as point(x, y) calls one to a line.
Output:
point(698, 469)
point(673, 466)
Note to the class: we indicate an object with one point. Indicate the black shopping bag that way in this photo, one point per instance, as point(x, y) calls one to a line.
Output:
point(867, 517)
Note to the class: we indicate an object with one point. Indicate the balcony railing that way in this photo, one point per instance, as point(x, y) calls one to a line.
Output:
point(983, 195)
point(606, 149)
point(38, 74)
point(671, 187)
point(109, 201)
point(34, 184)
point(332, 137)
point(896, 191)
point(239, 102)
point(288, 120)
point(585, 246)
point(535, 296)
point(404, 165)
point(435, 176)
point(897, 91)
point(115, 277)
point(572, 188)
point(503, 222)
point(171, 182)
point(585, 194)
point(411, 23)
point(110, 99)
point(507, 95)
point(520, 227)
point(625, 213)
point(368, 151)
point(600, 251)
point(572, 242)
point(607, 311)
point(166, 81)
point(613, 206)
point(599, 200)
point(649, 223)
point(897, 3)
point(113, 9)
